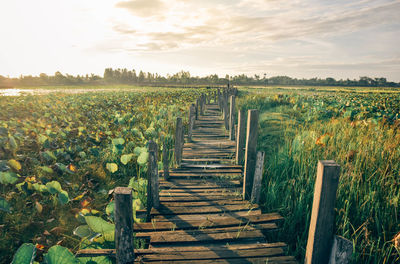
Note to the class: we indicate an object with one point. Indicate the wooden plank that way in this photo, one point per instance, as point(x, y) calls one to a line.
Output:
point(205, 216)
point(211, 155)
point(196, 198)
point(210, 254)
point(209, 170)
point(202, 203)
point(199, 183)
point(250, 154)
point(206, 160)
point(180, 210)
point(255, 260)
point(211, 166)
point(264, 227)
point(207, 143)
point(213, 221)
point(203, 236)
point(198, 190)
point(200, 248)
point(322, 221)
point(222, 192)
point(123, 225)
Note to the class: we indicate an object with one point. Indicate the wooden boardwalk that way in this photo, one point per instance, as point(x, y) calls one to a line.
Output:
point(202, 217)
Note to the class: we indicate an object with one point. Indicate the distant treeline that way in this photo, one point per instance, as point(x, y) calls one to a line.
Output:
point(182, 78)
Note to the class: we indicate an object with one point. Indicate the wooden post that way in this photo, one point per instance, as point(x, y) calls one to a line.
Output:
point(197, 109)
point(215, 97)
point(123, 218)
point(322, 222)
point(226, 112)
point(165, 161)
point(232, 118)
point(219, 100)
point(203, 103)
point(178, 141)
point(153, 200)
point(240, 137)
point(255, 193)
point(342, 250)
point(250, 154)
point(191, 121)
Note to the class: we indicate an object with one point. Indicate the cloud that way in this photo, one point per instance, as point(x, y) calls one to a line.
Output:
point(213, 28)
point(143, 8)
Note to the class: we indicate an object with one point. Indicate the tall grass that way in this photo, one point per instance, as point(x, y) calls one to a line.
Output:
point(367, 206)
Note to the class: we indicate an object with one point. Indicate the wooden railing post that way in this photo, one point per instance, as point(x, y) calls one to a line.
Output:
point(240, 137)
point(178, 141)
point(250, 154)
point(232, 118)
point(255, 193)
point(226, 112)
point(165, 161)
point(320, 234)
point(203, 103)
point(219, 100)
point(197, 109)
point(192, 117)
point(123, 218)
point(153, 200)
point(215, 97)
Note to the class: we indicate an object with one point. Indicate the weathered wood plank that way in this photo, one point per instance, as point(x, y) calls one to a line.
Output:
point(255, 194)
point(152, 178)
point(197, 198)
point(179, 210)
point(241, 137)
point(213, 221)
point(203, 236)
point(178, 141)
point(165, 160)
point(205, 216)
point(221, 253)
point(123, 225)
point(250, 154)
point(322, 222)
point(255, 260)
point(232, 118)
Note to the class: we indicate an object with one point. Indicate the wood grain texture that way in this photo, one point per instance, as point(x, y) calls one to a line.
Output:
point(241, 137)
point(255, 193)
point(320, 234)
point(232, 118)
point(250, 154)
point(123, 217)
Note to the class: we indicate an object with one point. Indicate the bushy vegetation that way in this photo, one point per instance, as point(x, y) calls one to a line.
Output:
point(183, 78)
point(61, 154)
point(361, 131)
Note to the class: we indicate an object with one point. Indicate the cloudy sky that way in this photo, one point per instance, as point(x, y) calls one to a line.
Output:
point(306, 38)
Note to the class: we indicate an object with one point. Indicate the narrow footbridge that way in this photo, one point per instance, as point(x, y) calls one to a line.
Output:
point(198, 212)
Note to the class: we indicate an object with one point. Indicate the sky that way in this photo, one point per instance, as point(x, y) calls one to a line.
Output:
point(302, 39)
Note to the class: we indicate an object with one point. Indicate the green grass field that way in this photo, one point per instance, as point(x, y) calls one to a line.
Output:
point(360, 130)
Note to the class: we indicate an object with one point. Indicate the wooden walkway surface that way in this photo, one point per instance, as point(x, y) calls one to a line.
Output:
point(202, 217)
